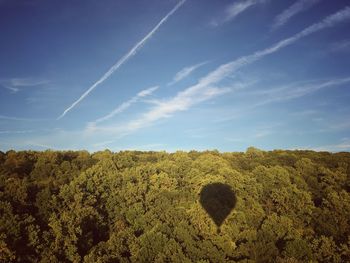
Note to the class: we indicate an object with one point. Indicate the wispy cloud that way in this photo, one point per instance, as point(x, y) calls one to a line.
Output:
point(295, 91)
point(11, 88)
point(27, 82)
point(340, 46)
point(40, 145)
point(337, 125)
point(185, 72)
point(57, 138)
point(342, 146)
point(124, 59)
point(16, 84)
point(228, 68)
point(103, 144)
point(296, 8)
point(16, 132)
point(284, 93)
point(262, 134)
point(234, 9)
point(11, 118)
point(147, 147)
point(44, 130)
point(206, 88)
point(254, 135)
point(125, 105)
point(165, 109)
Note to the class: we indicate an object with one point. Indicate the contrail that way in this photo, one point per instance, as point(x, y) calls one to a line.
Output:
point(228, 68)
point(185, 72)
point(125, 58)
point(122, 107)
point(294, 9)
point(205, 87)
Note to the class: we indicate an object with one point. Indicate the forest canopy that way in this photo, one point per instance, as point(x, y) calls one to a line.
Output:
point(132, 206)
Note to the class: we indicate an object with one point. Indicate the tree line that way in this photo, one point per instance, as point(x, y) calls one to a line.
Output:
point(133, 206)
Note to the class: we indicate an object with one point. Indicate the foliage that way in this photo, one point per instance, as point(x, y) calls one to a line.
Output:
point(131, 206)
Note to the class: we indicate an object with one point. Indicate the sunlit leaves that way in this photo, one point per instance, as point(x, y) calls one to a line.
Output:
point(291, 206)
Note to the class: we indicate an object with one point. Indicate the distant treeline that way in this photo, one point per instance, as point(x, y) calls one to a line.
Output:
point(131, 206)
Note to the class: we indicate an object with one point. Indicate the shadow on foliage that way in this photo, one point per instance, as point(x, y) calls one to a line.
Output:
point(218, 200)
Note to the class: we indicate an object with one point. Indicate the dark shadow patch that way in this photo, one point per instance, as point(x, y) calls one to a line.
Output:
point(218, 200)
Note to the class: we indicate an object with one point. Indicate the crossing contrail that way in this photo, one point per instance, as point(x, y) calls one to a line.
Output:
point(124, 59)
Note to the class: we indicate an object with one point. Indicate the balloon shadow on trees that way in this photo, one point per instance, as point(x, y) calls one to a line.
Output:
point(218, 200)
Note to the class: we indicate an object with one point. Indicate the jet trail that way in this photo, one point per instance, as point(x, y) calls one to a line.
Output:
point(124, 59)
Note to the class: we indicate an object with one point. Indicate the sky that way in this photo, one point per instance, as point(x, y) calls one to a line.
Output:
point(174, 75)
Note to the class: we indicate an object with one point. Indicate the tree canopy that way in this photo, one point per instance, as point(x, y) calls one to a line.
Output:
point(132, 206)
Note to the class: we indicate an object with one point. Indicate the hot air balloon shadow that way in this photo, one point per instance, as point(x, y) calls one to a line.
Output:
point(218, 200)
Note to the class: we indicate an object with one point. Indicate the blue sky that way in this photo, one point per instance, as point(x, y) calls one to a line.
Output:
point(175, 75)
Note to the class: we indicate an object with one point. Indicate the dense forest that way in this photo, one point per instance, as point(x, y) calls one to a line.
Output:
point(131, 206)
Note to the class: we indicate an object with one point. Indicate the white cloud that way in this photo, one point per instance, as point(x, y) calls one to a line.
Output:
point(338, 147)
point(164, 109)
point(262, 134)
point(27, 82)
point(205, 88)
point(125, 105)
point(124, 59)
point(100, 145)
point(227, 69)
point(147, 92)
point(12, 89)
point(16, 84)
point(294, 91)
point(40, 145)
point(147, 147)
point(234, 9)
point(296, 8)
point(238, 7)
point(10, 118)
point(44, 130)
point(185, 72)
point(57, 139)
point(284, 93)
